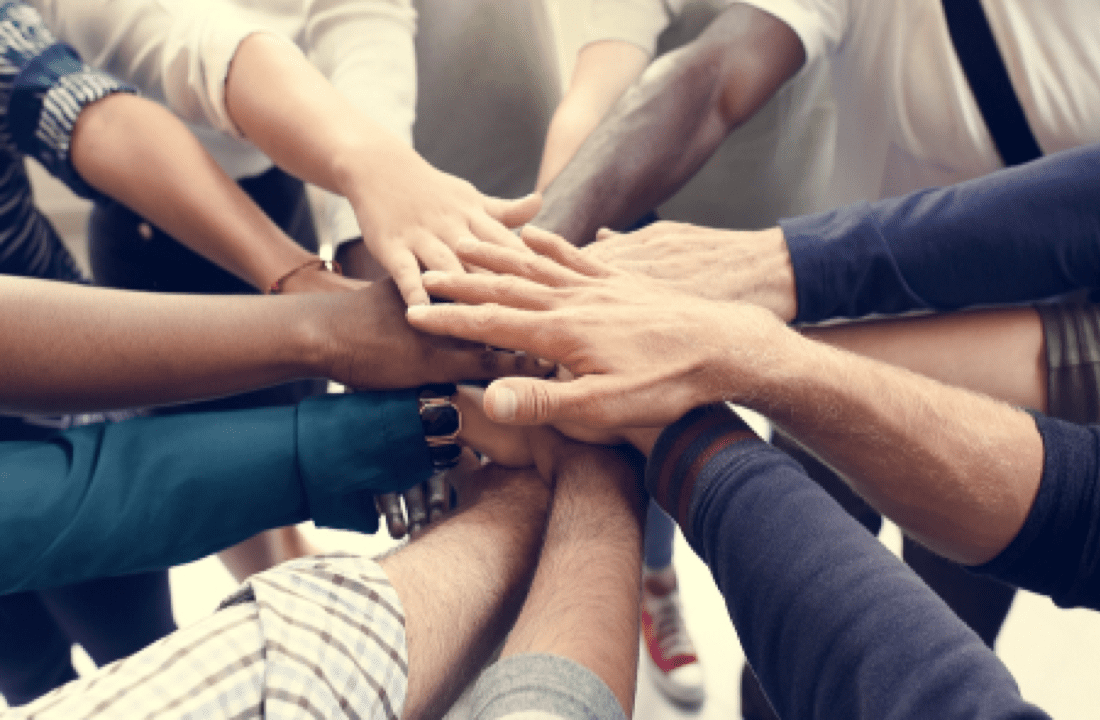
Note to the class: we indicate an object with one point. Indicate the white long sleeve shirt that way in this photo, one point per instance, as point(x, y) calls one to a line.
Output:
point(179, 52)
point(776, 165)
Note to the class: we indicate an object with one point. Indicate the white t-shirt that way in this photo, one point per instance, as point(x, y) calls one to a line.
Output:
point(776, 165)
point(907, 118)
point(482, 100)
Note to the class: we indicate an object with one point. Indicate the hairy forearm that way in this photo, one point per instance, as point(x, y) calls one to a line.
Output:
point(69, 348)
point(583, 602)
point(462, 581)
point(996, 352)
point(666, 127)
point(957, 471)
point(138, 153)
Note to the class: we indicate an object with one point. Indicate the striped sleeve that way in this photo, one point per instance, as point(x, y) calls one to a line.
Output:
point(46, 86)
point(682, 451)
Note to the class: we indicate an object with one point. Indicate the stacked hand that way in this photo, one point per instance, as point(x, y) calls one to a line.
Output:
point(643, 352)
point(413, 215)
point(723, 265)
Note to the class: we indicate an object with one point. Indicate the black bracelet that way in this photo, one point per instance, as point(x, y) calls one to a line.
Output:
point(442, 422)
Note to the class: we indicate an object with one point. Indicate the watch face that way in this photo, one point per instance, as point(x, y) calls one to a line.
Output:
point(440, 420)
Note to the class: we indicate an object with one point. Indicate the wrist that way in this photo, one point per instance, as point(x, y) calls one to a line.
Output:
point(754, 356)
point(316, 278)
point(778, 291)
point(363, 163)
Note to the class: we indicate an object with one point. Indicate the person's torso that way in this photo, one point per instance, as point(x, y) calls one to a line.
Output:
point(906, 107)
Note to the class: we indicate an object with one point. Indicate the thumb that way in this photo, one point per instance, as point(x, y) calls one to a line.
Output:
point(514, 213)
point(532, 401)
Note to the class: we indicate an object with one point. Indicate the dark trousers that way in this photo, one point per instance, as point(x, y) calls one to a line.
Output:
point(115, 617)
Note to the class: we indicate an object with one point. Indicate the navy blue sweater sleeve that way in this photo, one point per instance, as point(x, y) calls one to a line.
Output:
point(833, 624)
point(1057, 551)
point(1021, 234)
point(148, 493)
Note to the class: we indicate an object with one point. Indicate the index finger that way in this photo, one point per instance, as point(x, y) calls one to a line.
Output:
point(489, 230)
point(534, 332)
point(520, 263)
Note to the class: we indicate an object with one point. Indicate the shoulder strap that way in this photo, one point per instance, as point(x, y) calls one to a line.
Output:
point(988, 78)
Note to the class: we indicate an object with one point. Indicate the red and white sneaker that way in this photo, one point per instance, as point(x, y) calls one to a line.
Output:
point(669, 656)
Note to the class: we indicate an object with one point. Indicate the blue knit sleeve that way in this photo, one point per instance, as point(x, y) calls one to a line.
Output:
point(834, 625)
point(44, 87)
point(1018, 235)
point(1057, 551)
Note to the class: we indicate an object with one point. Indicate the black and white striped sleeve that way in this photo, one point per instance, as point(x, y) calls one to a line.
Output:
point(44, 86)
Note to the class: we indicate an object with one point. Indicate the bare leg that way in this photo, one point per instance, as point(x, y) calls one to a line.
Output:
point(463, 580)
point(997, 352)
point(584, 600)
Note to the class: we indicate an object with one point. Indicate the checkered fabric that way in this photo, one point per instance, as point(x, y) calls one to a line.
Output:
point(319, 638)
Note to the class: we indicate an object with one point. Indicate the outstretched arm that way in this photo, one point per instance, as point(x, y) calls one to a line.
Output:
point(152, 492)
point(668, 124)
point(833, 624)
point(1020, 234)
point(906, 442)
point(71, 348)
point(140, 154)
point(239, 77)
point(573, 650)
point(88, 130)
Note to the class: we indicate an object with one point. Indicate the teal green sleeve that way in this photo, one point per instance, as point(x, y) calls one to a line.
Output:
point(153, 492)
point(353, 446)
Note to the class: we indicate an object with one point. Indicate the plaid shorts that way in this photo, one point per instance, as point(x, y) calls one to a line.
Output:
point(320, 637)
point(1072, 334)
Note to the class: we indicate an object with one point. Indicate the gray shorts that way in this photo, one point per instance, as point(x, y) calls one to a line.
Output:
point(1072, 334)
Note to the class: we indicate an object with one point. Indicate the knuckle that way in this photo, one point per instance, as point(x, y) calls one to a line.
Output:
point(542, 403)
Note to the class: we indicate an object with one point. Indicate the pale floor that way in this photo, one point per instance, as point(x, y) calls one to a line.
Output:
point(1054, 654)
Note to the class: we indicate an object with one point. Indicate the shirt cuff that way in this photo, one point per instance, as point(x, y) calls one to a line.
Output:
point(542, 686)
point(48, 95)
point(351, 447)
point(1057, 550)
point(682, 452)
point(843, 266)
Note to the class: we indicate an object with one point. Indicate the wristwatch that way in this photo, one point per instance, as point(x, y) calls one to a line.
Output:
point(442, 422)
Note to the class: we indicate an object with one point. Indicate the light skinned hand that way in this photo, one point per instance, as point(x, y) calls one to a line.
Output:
point(413, 215)
point(642, 351)
point(727, 265)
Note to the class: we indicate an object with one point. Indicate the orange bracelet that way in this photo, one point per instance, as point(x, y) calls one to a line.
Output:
point(330, 265)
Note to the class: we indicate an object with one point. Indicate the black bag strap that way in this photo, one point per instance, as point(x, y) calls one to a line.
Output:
point(989, 81)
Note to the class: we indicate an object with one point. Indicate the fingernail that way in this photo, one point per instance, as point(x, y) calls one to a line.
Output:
point(429, 275)
point(504, 403)
point(417, 312)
